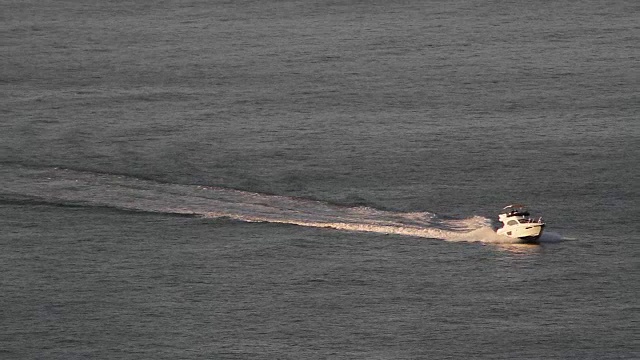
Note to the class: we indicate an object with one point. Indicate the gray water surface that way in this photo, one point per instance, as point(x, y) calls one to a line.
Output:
point(313, 180)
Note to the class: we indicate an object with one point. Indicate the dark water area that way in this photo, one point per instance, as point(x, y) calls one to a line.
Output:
point(286, 179)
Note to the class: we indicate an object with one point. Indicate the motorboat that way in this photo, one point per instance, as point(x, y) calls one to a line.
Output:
point(518, 224)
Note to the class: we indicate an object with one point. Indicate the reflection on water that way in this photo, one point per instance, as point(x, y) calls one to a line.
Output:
point(520, 249)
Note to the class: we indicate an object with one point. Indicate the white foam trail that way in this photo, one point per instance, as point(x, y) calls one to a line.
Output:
point(93, 189)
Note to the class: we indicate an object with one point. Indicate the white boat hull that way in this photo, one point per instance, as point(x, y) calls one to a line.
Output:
point(528, 232)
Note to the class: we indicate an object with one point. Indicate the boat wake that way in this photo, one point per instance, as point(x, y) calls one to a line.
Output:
point(80, 188)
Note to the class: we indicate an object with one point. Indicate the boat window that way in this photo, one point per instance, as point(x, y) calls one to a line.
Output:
point(524, 221)
point(512, 222)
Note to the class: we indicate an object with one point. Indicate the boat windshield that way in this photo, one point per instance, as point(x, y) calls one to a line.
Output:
point(518, 213)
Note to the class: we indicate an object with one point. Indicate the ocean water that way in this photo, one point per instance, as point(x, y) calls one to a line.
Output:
point(318, 180)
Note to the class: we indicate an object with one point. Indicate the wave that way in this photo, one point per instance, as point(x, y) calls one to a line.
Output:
point(82, 188)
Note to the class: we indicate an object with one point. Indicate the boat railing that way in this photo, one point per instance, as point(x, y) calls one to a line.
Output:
point(531, 221)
